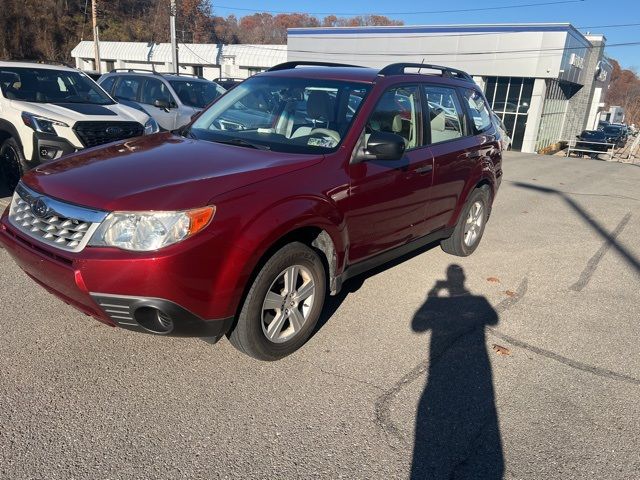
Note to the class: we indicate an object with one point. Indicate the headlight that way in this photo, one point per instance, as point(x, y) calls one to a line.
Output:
point(151, 127)
point(148, 231)
point(41, 124)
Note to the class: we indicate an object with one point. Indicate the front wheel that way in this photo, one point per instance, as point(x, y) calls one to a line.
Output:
point(12, 163)
point(470, 227)
point(283, 304)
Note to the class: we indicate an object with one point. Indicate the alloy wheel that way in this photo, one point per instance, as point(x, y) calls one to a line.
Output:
point(287, 304)
point(473, 225)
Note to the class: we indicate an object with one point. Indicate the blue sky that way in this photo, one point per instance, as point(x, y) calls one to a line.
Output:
point(581, 13)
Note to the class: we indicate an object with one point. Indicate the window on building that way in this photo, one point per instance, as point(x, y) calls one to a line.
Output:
point(445, 113)
point(398, 111)
point(509, 98)
point(198, 70)
point(254, 70)
point(110, 65)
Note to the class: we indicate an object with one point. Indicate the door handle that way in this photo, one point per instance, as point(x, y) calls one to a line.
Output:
point(424, 170)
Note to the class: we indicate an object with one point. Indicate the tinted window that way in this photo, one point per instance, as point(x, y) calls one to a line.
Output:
point(154, 90)
point(478, 110)
point(50, 86)
point(398, 111)
point(445, 113)
point(127, 88)
point(107, 83)
point(612, 130)
point(195, 93)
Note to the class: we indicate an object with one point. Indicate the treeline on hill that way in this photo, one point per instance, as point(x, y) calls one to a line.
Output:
point(49, 29)
point(624, 91)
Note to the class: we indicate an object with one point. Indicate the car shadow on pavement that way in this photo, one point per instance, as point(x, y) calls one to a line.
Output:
point(457, 435)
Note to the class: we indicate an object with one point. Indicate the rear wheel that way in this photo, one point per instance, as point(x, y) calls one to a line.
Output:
point(12, 163)
point(470, 227)
point(283, 304)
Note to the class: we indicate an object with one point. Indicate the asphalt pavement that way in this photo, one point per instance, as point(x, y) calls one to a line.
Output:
point(520, 362)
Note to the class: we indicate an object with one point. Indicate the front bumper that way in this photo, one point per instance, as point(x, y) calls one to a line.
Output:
point(48, 147)
point(67, 279)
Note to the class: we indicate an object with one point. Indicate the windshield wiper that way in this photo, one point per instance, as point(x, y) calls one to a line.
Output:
point(243, 143)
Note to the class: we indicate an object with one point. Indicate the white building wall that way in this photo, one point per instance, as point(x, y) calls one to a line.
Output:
point(535, 116)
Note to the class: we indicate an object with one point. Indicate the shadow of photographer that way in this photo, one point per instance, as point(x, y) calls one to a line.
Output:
point(457, 433)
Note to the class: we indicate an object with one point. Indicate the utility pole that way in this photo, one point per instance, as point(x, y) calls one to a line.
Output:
point(96, 34)
point(174, 41)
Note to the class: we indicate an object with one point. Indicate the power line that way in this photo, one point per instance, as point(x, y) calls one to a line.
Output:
point(459, 10)
point(412, 54)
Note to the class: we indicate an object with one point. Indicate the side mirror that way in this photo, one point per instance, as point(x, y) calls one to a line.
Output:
point(163, 104)
point(578, 137)
point(385, 146)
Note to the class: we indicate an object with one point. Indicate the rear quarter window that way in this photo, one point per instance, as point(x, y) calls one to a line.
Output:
point(478, 109)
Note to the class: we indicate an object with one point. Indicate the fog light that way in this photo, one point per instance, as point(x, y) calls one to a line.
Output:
point(48, 153)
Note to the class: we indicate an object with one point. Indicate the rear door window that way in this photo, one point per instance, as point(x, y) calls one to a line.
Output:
point(445, 119)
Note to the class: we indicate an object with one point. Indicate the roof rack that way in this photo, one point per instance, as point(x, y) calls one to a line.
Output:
point(183, 74)
point(399, 68)
point(133, 70)
point(291, 65)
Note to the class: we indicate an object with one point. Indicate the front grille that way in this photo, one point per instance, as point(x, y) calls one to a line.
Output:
point(92, 134)
point(52, 222)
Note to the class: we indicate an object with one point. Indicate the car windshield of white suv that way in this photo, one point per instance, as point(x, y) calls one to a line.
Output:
point(196, 93)
point(43, 85)
point(297, 115)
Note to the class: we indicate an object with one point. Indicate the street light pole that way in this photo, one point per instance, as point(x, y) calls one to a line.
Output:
point(174, 42)
point(96, 34)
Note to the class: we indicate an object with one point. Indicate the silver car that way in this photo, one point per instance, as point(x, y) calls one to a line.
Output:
point(169, 98)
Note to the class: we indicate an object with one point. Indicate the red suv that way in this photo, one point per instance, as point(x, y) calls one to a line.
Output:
point(242, 222)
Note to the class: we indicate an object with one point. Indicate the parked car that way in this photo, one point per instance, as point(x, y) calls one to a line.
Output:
point(616, 134)
point(245, 231)
point(593, 140)
point(505, 139)
point(170, 99)
point(228, 83)
point(48, 111)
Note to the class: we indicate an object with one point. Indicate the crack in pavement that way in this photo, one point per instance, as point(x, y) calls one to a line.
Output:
point(593, 262)
point(383, 402)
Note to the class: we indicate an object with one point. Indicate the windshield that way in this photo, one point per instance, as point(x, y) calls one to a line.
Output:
point(298, 115)
point(42, 85)
point(612, 130)
point(196, 93)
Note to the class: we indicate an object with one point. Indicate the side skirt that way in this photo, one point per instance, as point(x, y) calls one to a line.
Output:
point(389, 255)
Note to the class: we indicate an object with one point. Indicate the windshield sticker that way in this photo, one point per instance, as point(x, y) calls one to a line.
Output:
point(322, 142)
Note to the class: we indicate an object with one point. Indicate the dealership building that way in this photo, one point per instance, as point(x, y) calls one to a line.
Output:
point(546, 81)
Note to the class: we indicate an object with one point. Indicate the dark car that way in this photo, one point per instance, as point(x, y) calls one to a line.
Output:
point(229, 83)
point(592, 140)
point(245, 231)
point(616, 134)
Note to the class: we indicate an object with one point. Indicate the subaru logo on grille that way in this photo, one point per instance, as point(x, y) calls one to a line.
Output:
point(114, 131)
point(39, 208)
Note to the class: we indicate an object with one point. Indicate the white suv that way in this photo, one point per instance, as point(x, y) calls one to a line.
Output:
point(48, 111)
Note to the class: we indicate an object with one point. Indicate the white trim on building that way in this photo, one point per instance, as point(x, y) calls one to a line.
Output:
point(212, 60)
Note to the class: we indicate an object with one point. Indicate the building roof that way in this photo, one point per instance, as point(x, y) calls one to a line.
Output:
point(189, 53)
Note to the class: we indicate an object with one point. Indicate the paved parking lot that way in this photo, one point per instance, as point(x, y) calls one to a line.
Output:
point(521, 361)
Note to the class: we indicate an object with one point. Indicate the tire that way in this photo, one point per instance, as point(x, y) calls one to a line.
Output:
point(456, 243)
point(273, 333)
point(12, 163)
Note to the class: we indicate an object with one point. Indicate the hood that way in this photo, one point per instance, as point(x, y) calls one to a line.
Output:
point(71, 113)
point(159, 172)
